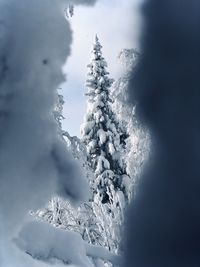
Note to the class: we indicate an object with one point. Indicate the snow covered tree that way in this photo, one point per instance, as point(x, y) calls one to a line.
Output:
point(102, 137)
point(128, 59)
point(137, 140)
point(100, 131)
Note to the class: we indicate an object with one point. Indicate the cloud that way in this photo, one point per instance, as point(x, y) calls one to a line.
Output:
point(163, 224)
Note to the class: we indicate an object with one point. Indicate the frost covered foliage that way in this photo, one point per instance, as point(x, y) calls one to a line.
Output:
point(61, 214)
point(79, 152)
point(75, 146)
point(90, 220)
point(102, 138)
point(135, 138)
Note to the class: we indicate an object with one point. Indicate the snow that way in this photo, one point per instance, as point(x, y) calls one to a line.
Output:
point(86, 127)
point(137, 140)
point(105, 152)
point(121, 200)
point(111, 148)
point(69, 11)
point(127, 57)
point(102, 136)
point(47, 243)
point(35, 163)
point(91, 145)
point(99, 221)
point(102, 164)
point(127, 182)
point(98, 115)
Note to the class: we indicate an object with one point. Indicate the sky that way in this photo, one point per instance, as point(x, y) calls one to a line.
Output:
point(116, 22)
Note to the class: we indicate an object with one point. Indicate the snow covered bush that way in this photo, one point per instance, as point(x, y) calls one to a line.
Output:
point(61, 214)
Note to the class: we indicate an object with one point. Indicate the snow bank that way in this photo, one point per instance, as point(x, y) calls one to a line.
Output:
point(46, 243)
point(35, 41)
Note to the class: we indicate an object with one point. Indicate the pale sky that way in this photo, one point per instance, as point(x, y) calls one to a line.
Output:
point(116, 22)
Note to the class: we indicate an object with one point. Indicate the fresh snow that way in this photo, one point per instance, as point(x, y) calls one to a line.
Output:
point(47, 243)
point(102, 136)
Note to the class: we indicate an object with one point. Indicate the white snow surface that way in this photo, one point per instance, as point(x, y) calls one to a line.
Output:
point(102, 136)
point(46, 243)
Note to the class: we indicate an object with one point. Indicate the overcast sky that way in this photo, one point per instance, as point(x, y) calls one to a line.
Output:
point(116, 22)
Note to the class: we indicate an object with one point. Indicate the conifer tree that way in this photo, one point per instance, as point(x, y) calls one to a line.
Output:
point(102, 136)
point(100, 131)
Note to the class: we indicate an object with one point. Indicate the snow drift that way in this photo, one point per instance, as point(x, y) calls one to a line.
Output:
point(47, 243)
point(35, 41)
